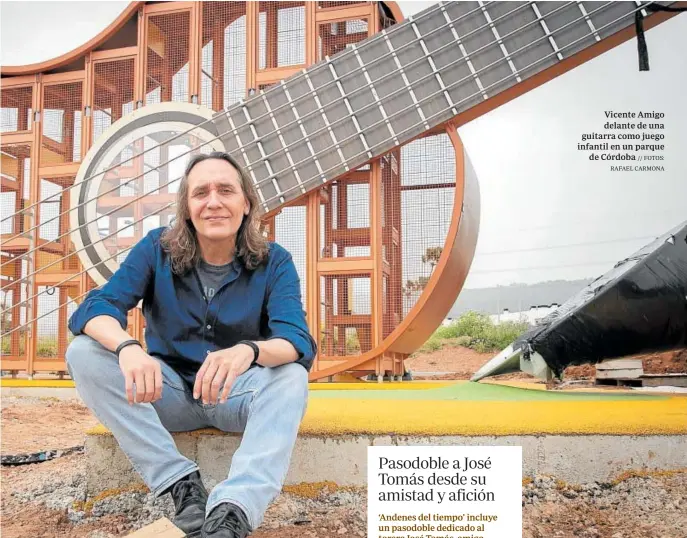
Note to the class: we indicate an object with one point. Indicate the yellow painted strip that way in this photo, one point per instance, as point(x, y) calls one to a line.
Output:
point(33, 383)
point(450, 417)
point(404, 385)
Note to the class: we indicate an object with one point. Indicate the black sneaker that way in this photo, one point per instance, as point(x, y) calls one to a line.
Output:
point(226, 521)
point(190, 498)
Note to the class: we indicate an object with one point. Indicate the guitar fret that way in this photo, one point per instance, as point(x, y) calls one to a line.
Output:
point(246, 160)
point(305, 136)
point(285, 147)
point(325, 120)
point(499, 41)
point(544, 26)
point(374, 94)
point(466, 56)
point(643, 11)
point(350, 111)
point(589, 21)
point(416, 103)
point(268, 165)
point(435, 71)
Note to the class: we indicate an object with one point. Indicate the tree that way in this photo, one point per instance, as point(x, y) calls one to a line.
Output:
point(431, 256)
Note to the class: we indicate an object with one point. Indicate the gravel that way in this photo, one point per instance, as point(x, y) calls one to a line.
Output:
point(654, 505)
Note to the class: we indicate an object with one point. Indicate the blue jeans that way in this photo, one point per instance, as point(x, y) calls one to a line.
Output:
point(266, 404)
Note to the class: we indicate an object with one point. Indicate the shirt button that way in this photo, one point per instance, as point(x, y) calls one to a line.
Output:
point(209, 327)
point(207, 352)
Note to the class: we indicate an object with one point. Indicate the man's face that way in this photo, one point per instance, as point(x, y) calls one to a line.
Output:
point(216, 201)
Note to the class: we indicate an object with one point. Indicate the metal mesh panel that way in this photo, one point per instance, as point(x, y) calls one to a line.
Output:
point(62, 113)
point(56, 260)
point(167, 71)
point(16, 166)
point(336, 36)
point(223, 76)
point(113, 93)
point(14, 314)
point(345, 219)
point(392, 303)
point(55, 307)
point(16, 109)
point(281, 34)
point(427, 190)
point(345, 315)
point(290, 232)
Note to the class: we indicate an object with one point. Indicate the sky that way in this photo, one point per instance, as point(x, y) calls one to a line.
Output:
point(547, 212)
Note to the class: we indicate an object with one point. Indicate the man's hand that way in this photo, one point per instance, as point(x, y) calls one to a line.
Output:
point(142, 370)
point(221, 367)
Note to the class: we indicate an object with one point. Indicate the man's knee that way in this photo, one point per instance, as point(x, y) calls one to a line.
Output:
point(290, 380)
point(81, 352)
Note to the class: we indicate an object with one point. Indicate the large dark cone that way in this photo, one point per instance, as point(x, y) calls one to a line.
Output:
point(639, 306)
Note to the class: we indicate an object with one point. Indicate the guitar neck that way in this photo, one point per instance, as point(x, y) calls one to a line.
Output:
point(386, 90)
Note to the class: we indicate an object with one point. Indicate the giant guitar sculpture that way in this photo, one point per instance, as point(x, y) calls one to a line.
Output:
point(344, 116)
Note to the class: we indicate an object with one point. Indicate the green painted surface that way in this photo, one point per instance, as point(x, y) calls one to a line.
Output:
point(467, 391)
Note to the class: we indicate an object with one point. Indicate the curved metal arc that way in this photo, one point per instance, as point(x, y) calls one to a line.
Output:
point(446, 280)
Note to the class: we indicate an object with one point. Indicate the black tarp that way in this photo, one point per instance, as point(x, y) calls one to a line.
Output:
point(639, 306)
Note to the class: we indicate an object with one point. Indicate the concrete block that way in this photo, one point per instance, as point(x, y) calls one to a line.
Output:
point(108, 467)
point(340, 459)
point(343, 459)
point(214, 454)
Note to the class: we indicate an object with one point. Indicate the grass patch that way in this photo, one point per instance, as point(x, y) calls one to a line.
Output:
point(475, 331)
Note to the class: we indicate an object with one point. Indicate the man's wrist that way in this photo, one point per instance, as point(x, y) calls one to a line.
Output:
point(126, 344)
point(254, 347)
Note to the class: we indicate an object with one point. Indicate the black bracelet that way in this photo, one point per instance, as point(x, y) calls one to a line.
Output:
point(125, 344)
point(256, 350)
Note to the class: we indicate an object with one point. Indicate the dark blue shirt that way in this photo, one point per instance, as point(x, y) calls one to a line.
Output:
point(182, 327)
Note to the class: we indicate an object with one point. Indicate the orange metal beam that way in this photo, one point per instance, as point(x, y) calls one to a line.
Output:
point(271, 76)
point(17, 81)
point(39, 365)
point(64, 78)
point(167, 7)
point(19, 137)
point(58, 170)
point(347, 266)
point(114, 54)
point(342, 14)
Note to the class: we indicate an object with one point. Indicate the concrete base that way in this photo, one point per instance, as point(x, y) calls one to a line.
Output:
point(343, 459)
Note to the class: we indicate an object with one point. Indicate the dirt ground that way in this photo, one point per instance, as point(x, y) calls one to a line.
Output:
point(461, 363)
point(47, 500)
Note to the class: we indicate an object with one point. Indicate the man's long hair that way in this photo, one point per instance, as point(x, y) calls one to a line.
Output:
point(180, 241)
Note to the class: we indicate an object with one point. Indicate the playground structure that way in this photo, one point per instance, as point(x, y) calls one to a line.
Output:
point(382, 241)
